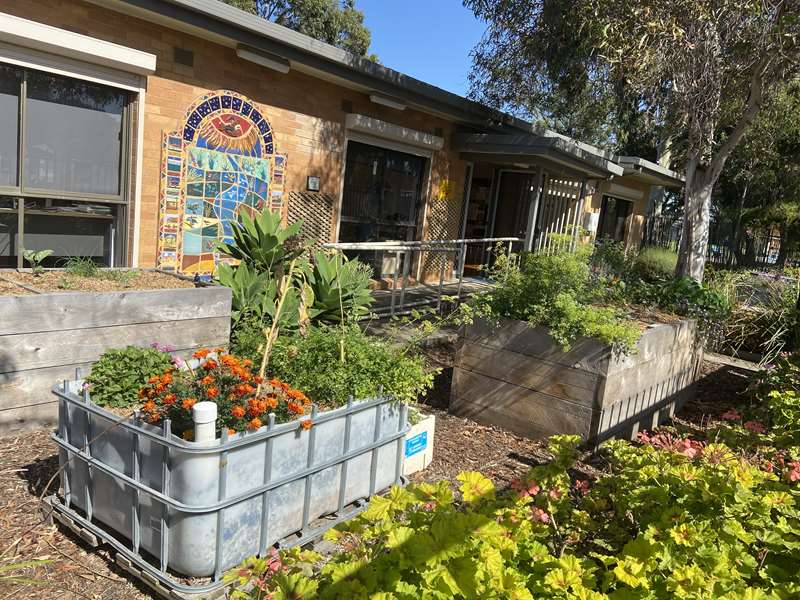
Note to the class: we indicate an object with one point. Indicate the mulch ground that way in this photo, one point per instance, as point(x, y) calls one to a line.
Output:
point(105, 281)
point(74, 570)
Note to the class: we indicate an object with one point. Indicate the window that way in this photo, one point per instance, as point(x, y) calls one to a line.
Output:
point(613, 215)
point(382, 194)
point(62, 167)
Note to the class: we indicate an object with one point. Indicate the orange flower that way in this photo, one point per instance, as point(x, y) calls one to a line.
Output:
point(202, 353)
point(231, 431)
point(210, 364)
point(229, 360)
point(272, 401)
point(188, 435)
point(166, 378)
point(276, 383)
point(212, 392)
point(188, 403)
point(258, 379)
point(169, 399)
point(306, 424)
point(154, 417)
point(160, 388)
point(149, 406)
point(207, 380)
point(295, 408)
point(255, 423)
point(238, 411)
point(142, 393)
point(153, 379)
point(247, 362)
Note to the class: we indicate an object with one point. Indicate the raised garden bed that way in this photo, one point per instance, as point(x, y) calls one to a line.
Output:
point(46, 337)
point(13, 282)
point(519, 378)
point(199, 508)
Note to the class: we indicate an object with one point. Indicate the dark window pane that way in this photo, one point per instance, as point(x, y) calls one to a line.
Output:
point(613, 215)
point(10, 79)
point(382, 192)
point(8, 239)
point(69, 235)
point(73, 135)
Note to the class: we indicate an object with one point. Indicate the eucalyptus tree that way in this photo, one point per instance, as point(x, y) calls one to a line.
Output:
point(710, 65)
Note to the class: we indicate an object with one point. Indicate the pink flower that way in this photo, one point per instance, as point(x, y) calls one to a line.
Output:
point(555, 493)
point(794, 474)
point(582, 487)
point(755, 426)
point(525, 488)
point(732, 415)
point(429, 506)
point(537, 514)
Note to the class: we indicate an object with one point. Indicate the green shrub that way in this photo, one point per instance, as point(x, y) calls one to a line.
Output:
point(330, 363)
point(655, 264)
point(119, 374)
point(340, 288)
point(556, 291)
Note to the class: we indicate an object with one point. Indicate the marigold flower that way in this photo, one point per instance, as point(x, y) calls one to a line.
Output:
point(169, 399)
point(210, 364)
point(142, 393)
point(166, 378)
point(153, 379)
point(247, 362)
point(202, 353)
point(231, 431)
point(160, 388)
point(306, 424)
point(254, 423)
point(212, 392)
point(229, 360)
point(188, 435)
point(149, 406)
point(258, 379)
point(154, 417)
point(295, 408)
point(207, 380)
point(271, 401)
point(188, 403)
point(238, 411)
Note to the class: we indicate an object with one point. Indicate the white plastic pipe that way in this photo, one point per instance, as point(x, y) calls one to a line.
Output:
point(204, 415)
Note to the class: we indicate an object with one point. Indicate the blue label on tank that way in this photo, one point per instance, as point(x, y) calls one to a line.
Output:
point(416, 444)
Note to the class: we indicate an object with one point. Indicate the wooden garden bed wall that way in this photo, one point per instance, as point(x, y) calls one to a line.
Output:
point(519, 378)
point(44, 338)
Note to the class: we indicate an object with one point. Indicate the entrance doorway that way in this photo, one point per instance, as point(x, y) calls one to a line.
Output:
point(513, 203)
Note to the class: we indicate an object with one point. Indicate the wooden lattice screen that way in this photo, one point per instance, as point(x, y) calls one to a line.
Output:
point(316, 212)
point(559, 212)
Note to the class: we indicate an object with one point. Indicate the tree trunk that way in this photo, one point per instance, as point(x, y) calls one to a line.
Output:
point(696, 221)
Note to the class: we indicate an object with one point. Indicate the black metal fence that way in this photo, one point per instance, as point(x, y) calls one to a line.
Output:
point(727, 245)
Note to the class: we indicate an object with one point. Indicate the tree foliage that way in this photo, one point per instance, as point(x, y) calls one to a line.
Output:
point(336, 22)
point(710, 65)
point(539, 60)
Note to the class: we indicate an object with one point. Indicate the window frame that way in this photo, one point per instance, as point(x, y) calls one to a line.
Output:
point(121, 201)
point(604, 210)
point(31, 192)
point(420, 206)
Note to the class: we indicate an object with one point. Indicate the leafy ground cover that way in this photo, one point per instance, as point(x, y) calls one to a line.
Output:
point(708, 515)
point(76, 571)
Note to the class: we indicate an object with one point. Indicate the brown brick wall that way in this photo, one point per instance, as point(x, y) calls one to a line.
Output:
point(306, 113)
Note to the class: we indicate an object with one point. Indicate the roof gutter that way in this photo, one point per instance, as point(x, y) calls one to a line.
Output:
point(240, 28)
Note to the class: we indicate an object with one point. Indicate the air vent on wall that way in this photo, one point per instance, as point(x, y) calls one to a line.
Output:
point(184, 57)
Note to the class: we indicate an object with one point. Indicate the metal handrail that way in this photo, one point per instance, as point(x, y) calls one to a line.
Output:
point(403, 249)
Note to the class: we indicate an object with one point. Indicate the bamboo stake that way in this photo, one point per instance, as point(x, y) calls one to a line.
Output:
point(273, 330)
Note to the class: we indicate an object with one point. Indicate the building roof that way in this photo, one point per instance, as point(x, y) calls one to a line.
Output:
point(229, 26)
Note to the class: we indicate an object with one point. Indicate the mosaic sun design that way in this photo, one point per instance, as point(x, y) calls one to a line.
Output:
point(220, 163)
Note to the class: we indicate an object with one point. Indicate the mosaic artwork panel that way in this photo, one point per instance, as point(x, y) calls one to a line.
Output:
point(220, 163)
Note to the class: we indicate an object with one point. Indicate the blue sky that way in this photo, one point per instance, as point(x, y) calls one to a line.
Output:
point(427, 39)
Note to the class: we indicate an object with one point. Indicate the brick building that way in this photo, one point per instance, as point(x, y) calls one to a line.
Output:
point(134, 130)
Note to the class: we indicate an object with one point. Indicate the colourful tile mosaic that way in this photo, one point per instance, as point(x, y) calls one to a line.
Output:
point(220, 162)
